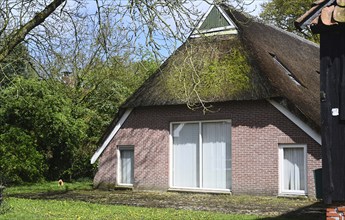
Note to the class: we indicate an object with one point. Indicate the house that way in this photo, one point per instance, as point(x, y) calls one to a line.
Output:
point(327, 18)
point(235, 109)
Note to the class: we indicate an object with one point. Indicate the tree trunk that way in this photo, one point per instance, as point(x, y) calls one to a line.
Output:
point(17, 36)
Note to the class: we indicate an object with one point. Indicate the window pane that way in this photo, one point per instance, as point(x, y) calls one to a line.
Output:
point(127, 166)
point(293, 168)
point(186, 154)
point(216, 151)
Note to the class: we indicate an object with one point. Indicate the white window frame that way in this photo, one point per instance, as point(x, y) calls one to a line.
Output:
point(171, 159)
point(282, 191)
point(119, 168)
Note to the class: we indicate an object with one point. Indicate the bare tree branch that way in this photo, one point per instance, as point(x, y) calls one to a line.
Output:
point(18, 35)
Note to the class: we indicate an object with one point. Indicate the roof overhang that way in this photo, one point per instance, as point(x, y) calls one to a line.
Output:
point(111, 135)
point(301, 124)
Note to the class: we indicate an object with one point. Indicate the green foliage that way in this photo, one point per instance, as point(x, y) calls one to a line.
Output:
point(49, 128)
point(283, 14)
point(108, 85)
point(101, 91)
point(20, 161)
point(204, 77)
point(16, 63)
point(44, 120)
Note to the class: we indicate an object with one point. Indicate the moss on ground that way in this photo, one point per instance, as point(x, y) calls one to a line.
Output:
point(276, 208)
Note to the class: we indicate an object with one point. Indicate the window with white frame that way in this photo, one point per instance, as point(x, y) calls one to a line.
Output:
point(125, 165)
point(293, 169)
point(201, 155)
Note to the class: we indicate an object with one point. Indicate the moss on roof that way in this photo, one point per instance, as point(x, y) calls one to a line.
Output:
point(209, 69)
point(206, 73)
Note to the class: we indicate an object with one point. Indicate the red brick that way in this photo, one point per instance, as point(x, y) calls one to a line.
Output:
point(341, 209)
point(333, 214)
point(257, 129)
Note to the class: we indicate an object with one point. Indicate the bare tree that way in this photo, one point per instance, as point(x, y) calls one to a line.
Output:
point(69, 35)
point(16, 23)
point(18, 19)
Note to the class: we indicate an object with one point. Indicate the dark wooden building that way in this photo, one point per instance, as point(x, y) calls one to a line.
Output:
point(327, 18)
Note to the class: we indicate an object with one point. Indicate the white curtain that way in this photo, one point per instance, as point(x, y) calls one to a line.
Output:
point(186, 155)
point(127, 165)
point(216, 155)
point(294, 169)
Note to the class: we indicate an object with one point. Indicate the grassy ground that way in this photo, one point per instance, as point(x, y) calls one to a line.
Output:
point(41, 209)
point(80, 201)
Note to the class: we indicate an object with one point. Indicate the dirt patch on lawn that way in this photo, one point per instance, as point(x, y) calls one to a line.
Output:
point(272, 207)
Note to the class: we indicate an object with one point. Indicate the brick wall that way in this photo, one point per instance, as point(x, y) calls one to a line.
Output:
point(335, 213)
point(257, 130)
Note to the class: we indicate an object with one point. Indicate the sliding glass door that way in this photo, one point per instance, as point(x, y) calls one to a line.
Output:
point(202, 155)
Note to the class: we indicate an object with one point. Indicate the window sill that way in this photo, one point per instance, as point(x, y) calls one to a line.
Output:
point(198, 190)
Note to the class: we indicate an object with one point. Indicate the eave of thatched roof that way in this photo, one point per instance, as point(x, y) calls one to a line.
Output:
point(290, 62)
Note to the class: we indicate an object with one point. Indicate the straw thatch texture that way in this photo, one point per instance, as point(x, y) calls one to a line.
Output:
point(260, 62)
point(212, 69)
point(289, 62)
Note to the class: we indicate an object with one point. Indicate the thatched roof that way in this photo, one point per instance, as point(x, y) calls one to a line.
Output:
point(212, 69)
point(275, 63)
point(290, 62)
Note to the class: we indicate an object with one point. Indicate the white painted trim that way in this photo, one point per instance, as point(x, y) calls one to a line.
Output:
point(201, 160)
point(225, 32)
point(188, 122)
point(111, 136)
point(283, 192)
point(119, 148)
point(171, 162)
point(197, 33)
point(201, 190)
point(216, 29)
point(302, 125)
point(226, 16)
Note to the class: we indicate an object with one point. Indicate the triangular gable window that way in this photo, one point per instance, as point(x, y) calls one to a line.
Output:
point(215, 22)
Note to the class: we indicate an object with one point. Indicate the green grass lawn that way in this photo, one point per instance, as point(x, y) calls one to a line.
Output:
point(18, 208)
point(42, 209)
point(48, 187)
point(79, 201)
